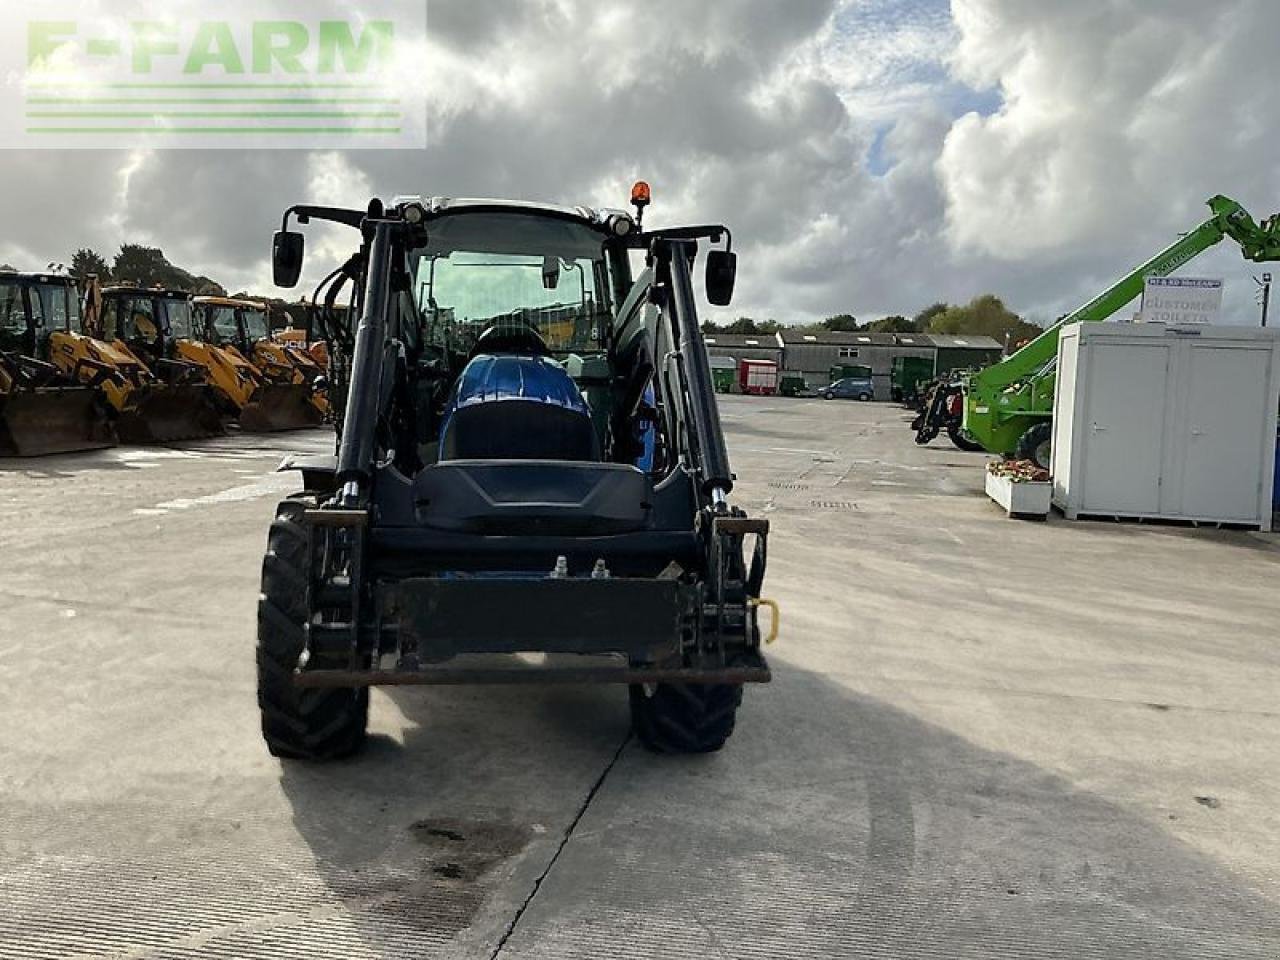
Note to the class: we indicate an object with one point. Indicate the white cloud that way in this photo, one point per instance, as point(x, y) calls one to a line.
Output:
point(1119, 120)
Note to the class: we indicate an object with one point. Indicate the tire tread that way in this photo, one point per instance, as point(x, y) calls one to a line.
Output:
point(298, 723)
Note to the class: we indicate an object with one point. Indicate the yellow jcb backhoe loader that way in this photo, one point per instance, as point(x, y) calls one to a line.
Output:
point(144, 408)
point(242, 392)
point(309, 351)
point(292, 344)
point(42, 410)
point(289, 399)
point(151, 323)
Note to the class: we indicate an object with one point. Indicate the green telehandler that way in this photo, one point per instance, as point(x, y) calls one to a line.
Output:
point(1007, 408)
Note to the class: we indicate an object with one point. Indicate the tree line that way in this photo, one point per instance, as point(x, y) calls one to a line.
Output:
point(146, 266)
point(985, 316)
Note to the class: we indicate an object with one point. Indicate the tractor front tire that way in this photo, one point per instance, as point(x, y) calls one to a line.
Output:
point(963, 440)
point(298, 723)
point(684, 718)
point(1036, 445)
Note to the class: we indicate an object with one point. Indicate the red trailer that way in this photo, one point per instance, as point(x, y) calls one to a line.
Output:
point(758, 377)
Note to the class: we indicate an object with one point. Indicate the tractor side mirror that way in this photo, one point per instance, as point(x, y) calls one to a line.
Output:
point(286, 258)
point(722, 272)
point(550, 272)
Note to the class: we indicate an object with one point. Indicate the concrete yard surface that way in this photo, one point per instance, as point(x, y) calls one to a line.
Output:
point(985, 738)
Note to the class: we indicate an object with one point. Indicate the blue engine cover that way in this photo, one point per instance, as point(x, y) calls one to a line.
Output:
point(516, 407)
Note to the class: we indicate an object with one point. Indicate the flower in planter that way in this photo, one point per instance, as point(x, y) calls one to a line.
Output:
point(1018, 471)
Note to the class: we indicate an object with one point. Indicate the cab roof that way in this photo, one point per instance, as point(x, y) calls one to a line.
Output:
point(38, 277)
point(589, 216)
point(230, 302)
point(135, 289)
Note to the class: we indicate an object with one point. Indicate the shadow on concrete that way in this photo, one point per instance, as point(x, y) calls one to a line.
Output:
point(234, 446)
point(1238, 536)
point(419, 836)
point(832, 825)
point(62, 465)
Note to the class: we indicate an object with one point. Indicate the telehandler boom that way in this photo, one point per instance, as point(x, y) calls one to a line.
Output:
point(1007, 406)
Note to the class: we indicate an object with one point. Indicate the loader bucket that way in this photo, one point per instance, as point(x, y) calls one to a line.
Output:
point(60, 420)
point(170, 413)
point(280, 406)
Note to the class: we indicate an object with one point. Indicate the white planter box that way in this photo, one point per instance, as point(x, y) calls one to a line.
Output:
point(1022, 498)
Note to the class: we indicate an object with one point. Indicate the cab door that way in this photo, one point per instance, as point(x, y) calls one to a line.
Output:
point(17, 332)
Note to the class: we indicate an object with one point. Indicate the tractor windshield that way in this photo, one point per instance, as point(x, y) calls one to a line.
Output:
point(481, 270)
point(255, 324)
point(57, 303)
point(222, 325)
point(136, 320)
point(13, 316)
point(178, 315)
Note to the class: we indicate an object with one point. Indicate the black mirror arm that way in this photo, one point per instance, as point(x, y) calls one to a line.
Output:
point(711, 232)
point(305, 213)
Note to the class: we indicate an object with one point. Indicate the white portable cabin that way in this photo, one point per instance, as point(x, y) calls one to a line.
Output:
point(1166, 422)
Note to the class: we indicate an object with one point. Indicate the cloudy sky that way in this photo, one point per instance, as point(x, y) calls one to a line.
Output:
point(871, 156)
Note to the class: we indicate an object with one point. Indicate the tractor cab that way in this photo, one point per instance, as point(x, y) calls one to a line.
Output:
point(226, 322)
point(20, 324)
point(32, 305)
point(150, 322)
point(242, 325)
point(516, 307)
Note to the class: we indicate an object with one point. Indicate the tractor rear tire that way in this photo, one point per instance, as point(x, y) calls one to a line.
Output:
point(684, 718)
point(298, 723)
point(1036, 445)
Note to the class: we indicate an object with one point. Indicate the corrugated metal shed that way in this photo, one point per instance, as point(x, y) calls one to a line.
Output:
point(964, 342)
point(959, 352)
point(831, 338)
point(815, 354)
point(764, 346)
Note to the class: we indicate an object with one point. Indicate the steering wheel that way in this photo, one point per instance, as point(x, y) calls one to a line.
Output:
point(511, 336)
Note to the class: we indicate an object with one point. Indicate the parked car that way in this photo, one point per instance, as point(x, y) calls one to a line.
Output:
point(850, 388)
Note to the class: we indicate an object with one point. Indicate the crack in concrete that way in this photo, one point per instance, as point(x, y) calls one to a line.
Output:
point(564, 842)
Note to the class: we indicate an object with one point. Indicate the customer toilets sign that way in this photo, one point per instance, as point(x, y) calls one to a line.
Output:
point(1177, 300)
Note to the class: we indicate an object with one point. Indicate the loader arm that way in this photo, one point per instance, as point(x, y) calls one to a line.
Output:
point(1003, 401)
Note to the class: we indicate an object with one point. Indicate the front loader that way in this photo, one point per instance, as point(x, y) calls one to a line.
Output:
point(42, 410)
point(518, 511)
point(285, 398)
